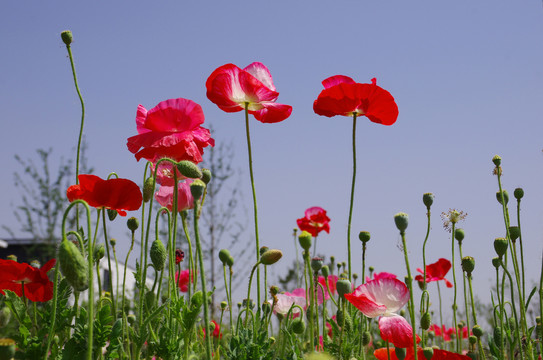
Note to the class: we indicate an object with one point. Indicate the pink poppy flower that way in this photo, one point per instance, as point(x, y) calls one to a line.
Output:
point(381, 275)
point(384, 297)
point(343, 96)
point(171, 129)
point(37, 286)
point(164, 196)
point(436, 272)
point(332, 280)
point(165, 173)
point(286, 300)
point(230, 88)
point(115, 194)
point(314, 221)
point(183, 280)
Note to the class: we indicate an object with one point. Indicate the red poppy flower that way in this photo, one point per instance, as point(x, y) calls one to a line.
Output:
point(436, 272)
point(170, 129)
point(183, 280)
point(37, 286)
point(230, 88)
point(115, 194)
point(381, 275)
point(315, 221)
point(179, 256)
point(343, 96)
point(381, 354)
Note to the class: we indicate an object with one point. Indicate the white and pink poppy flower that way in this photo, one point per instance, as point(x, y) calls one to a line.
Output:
point(286, 300)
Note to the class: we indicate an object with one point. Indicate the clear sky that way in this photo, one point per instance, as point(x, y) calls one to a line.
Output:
point(466, 75)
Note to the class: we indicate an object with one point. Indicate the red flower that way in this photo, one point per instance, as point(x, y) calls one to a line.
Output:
point(230, 88)
point(183, 280)
point(342, 96)
point(179, 256)
point(381, 275)
point(164, 196)
point(381, 354)
point(116, 194)
point(315, 221)
point(170, 129)
point(37, 286)
point(436, 272)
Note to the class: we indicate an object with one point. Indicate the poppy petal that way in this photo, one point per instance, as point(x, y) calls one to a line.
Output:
point(396, 330)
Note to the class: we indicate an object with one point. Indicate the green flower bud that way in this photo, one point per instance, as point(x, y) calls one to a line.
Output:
point(224, 254)
point(132, 224)
point(498, 336)
point(459, 234)
point(366, 338)
point(343, 286)
point(468, 264)
point(402, 220)
point(274, 290)
point(113, 242)
point(472, 339)
point(477, 331)
point(496, 262)
point(305, 240)
point(158, 255)
point(316, 263)
point(514, 233)
point(224, 305)
point(150, 299)
point(428, 353)
point(211, 326)
point(189, 169)
point(73, 265)
point(355, 276)
point(519, 193)
point(266, 308)
point(197, 299)
point(7, 349)
point(426, 321)
point(206, 176)
point(148, 189)
point(230, 261)
point(500, 245)
point(197, 189)
point(131, 318)
point(505, 196)
point(111, 214)
point(364, 236)
point(325, 271)
point(99, 252)
point(298, 326)
point(67, 37)
point(263, 249)
point(270, 257)
point(512, 324)
point(428, 200)
point(400, 353)
point(497, 160)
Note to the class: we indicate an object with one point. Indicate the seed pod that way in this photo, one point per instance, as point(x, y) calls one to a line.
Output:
point(401, 220)
point(459, 234)
point(158, 255)
point(364, 236)
point(73, 265)
point(505, 196)
point(197, 189)
point(497, 160)
point(206, 176)
point(316, 263)
point(519, 193)
point(468, 264)
point(132, 224)
point(343, 286)
point(514, 233)
point(305, 240)
point(477, 331)
point(111, 214)
point(67, 37)
point(428, 200)
point(500, 245)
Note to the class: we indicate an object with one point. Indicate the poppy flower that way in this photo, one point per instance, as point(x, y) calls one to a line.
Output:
point(381, 275)
point(332, 280)
point(37, 286)
point(286, 300)
point(179, 256)
point(165, 173)
point(436, 272)
point(183, 280)
point(231, 88)
point(171, 129)
point(343, 96)
point(164, 196)
point(381, 354)
point(314, 221)
point(115, 194)
point(384, 297)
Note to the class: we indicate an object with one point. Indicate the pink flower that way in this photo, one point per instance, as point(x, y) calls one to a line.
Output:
point(384, 297)
point(286, 300)
point(164, 196)
point(436, 272)
point(183, 280)
point(231, 88)
point(314, 221)
point(342, 96)
point(382, 275)
point(170, 129)
point(165, 173)
point(332, 280)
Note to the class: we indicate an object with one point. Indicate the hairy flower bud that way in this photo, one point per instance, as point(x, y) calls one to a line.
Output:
point(366, 338)
point(224, 254)
point(402, 220)
point(305, 240)
point(99, 252)
point(298, 326)
point(148, 189)
point(206, 176)
point(468, 264)
point(343, 286)
point(459, 234)
point(316, 263)
point(325, 271)
point(132, 224)
point(500, 245)
point(111, 214)
point(428, 353)
point(224, 305)
point(514, 233)
point(197, 189)
point(519, 193)
point(426, 321)
point(477, 331)
point(189, 169)
point(428, 200)
point(270, 257)
point(73, 265)
point(67, 37)
point(505, 196)
point(230, 261)
point(158, 255)
point(364, 236)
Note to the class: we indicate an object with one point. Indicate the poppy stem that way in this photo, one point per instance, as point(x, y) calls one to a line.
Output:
point(113, 300)
point(411, 304)
point(254, 198)
point(352, 197)
point(454, 306)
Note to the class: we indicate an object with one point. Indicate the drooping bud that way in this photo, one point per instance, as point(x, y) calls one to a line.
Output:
point(364, 236)
point(505, 196)
point(270, 257)
point(402, 220)
point(148, 189)
point(400, 353)
point(316, 263)
point(477, 331)
point(428, 200)
point(206, 176)
point(189, 169)
point(67, 37)
point(305, 240)
point(468, 264)
point(497, 334)
point(197, 189)
point(472, 339)
point(230, 261)
point(111, 214)
point(519, 193)
point(366, 338)
point(497, 160)
point(132, 224)
point(343, 286)
point(274, 290)
point(266, 308)
point(514, 233)
point(197, 299)
point(426, 321)
point(298, 326)
point(99, 252)
point(428, 353)
point(223, 256)
point(500, 245)
point(459, 234)
point(73, 265)
point(150, 299)
point(179, 256)
point(158, 255)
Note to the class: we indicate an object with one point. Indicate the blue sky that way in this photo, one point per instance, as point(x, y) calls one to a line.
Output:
point(467, 78)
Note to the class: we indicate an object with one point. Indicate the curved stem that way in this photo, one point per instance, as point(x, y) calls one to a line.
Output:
point(352, 198)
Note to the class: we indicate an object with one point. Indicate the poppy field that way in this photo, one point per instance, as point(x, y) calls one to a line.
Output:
point(60, 310)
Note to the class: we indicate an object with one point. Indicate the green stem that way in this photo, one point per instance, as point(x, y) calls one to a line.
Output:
point(248, 299)
point(298, 279)
point(455, 323)
point(192, 269)
point(113, 301)
point(352, 198)
point(254, 197)
point(519, 342)
point(411, 305)
point(466, 304)
point(521, 251)
point(125, 332)
point(480, 345)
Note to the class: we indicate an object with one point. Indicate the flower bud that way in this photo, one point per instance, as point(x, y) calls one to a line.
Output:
point(428, 200)
point(150, 299)
point(189, 169)
point(99, 252)
point(496, 262)
point(305, 240)
point(426, 321)
point(402, 220)
point(500, 245)
point(505, 196)
point(132, 224)
point(514, 233)
point(67, 37)
point(270, 257)
point(400, 353)
point(7, 349)
point(206, 176)
point(197, 189)
point(224, 305)
point(428, 353)
point(364, 236)
point(263, 249)
point(477, 331)
point(73, 265)
point(148, 189)
point(325, 271)
point(472, 339)
point(316, 263)
point(113, 242)
point(497, 160)
point(111, 214)
point(158, 255)
point(223, 255)
point(459, 234)
point(497, 334)
point(266, 308)
point(343, 286)
point(366, 338)
point(298, 326)
point(519, 193)
point(179, 256)
point(274, 290)
point(230, 261)
point(211, 326)
point(468, 264)
point(197, 299)
point(131, 318)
